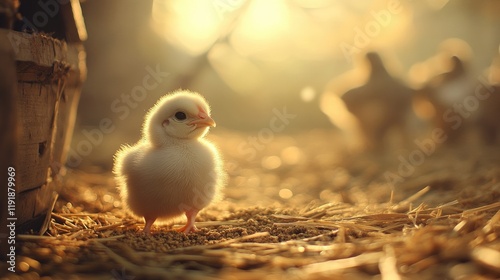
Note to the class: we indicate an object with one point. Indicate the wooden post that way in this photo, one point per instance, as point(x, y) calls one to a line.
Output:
point(9, 128)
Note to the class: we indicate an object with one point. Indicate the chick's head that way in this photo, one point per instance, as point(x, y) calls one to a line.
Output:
point(183, 115)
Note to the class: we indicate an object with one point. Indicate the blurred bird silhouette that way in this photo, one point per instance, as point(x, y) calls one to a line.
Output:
point(489, 115)
point(380, 105)
point(488, 119)
point(444, 93)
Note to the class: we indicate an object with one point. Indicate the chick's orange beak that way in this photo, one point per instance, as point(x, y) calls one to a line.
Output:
point(203, 120)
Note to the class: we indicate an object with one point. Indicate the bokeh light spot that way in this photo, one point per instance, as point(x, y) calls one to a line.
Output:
point(291, 155)
point(271, 162)
point(307, 94)
point(285, 193)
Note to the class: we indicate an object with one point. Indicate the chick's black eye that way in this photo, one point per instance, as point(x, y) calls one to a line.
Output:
point(180, 116)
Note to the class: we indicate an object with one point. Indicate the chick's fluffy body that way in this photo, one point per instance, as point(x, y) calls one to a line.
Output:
point(162, 177)
point(168, 181)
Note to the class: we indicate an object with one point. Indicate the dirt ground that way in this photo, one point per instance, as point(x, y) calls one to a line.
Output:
point(298, 207)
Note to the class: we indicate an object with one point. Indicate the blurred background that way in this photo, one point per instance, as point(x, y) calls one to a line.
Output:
point(254, 58)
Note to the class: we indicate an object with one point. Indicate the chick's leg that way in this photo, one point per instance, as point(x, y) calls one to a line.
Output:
point(191, 217)
point(149, 222)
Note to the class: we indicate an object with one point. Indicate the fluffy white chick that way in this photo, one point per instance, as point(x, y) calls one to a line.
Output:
point(172, 170)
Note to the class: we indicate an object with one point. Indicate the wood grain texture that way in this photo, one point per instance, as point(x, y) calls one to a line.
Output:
point(36, 105)
point(8, 94)
point(47, 75)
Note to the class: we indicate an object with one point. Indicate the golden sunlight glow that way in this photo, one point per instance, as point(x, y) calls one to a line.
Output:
point(332, 105)
point(314, 4)
point(230, 66)
point(264, 26)
point(280, 29)
point(252, 44)
point(307, 94)
point(193, 25)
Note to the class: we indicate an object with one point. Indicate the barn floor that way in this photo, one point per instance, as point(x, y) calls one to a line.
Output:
point(297, 207)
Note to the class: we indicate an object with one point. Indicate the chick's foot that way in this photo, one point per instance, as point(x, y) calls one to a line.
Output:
point(147, 227)
point(189, 226)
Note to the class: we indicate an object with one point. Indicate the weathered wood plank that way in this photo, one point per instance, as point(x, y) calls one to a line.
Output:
point(25, 205)
point(34, 203)
point(32, 169)
point(65, 124)
point(37, 49)
point(36, 109)
point(36, 104)
point(8, 125)
point(48, 75)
